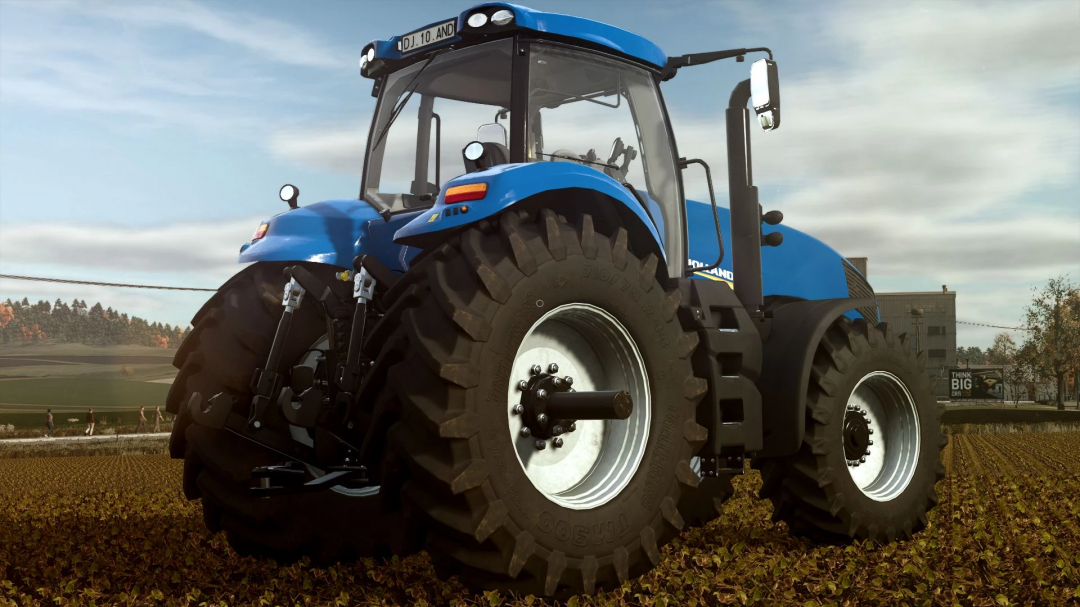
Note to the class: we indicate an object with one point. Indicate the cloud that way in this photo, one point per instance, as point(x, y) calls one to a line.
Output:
point(199, 255)
point(939, 140)
point(191, 249)
point(337, 148)
point(121, 59)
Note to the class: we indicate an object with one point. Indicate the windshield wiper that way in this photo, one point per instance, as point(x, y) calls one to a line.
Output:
point(573, 159)
point(409, 89)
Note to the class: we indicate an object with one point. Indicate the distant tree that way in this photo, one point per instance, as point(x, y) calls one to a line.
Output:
point(1052, 325)
point(1003, 350)
point(970, 356)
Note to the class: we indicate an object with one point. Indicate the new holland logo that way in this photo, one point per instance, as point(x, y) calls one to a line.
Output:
point(719, 274)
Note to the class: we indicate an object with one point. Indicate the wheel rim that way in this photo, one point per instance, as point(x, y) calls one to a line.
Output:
point(598, 459)
point(301, 435)
point(881, 436)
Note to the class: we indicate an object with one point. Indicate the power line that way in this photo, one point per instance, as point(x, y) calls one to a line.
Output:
point(113, 284)
point(101, 284)
point(979, 324)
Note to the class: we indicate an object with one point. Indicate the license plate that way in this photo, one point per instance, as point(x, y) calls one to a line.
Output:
point(428, 36)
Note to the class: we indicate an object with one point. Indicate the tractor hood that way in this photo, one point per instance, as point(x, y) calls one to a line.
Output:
point(331, 232)
point(802, 266)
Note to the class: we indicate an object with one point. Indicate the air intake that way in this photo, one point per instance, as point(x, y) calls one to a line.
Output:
point(858, 288)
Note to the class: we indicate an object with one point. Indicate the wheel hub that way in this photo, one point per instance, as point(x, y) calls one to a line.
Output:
point(536, 394)
point(857, 433)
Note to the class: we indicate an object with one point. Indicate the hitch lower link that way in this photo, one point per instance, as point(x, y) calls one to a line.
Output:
point(289, 479)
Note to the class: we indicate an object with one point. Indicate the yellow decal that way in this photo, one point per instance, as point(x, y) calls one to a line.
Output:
point(433, 218)
point(711, 277)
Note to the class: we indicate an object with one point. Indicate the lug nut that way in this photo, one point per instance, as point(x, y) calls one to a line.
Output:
point(573, 426)
point(525, 432)
point(542, 418)
point(523, 385)
point(541, 393)
point(871, 431)
point(851, 407)
point(540, 445)
point(553, 368)
point(518, 409)
point(557, 442)
point(862, 460)
point(557, 430)
point(536, 370)
point(557, 382)
point(870, 442)
point(569, 380)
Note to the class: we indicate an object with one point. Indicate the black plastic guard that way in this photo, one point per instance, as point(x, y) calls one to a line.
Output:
point(728, 356)
point(795, 331)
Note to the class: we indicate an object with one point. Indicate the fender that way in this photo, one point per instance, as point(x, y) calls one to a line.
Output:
point(509, 184)
point(332, 232)
point(787, 355)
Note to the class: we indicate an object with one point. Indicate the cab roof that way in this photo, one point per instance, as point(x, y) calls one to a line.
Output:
point(593, 33)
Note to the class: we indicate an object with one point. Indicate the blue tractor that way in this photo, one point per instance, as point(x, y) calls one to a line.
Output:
point(523, 350)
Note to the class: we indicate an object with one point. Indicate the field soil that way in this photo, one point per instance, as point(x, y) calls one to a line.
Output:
point(116, 529)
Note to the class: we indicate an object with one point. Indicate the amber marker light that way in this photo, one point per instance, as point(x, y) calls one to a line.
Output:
point(461, 193)
point(260, 232)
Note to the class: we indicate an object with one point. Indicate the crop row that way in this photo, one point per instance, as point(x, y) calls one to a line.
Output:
point(116, 529)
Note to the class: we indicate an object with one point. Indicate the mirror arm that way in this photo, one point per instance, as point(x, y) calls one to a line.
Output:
point(674, 63)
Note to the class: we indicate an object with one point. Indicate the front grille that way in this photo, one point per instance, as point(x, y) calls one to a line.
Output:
point(858, 288)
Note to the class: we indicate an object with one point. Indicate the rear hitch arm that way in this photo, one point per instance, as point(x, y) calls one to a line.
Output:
point(267, 381)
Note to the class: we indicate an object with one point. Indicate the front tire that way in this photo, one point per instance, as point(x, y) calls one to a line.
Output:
point(871, 455)
point(495, 521)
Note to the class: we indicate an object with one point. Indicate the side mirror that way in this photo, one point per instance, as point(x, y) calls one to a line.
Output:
point(765, 93)
point(492, 133)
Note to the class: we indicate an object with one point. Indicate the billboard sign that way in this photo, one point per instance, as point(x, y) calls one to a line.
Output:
point(977, 384)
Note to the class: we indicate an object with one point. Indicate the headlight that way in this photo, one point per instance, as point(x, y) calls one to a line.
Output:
point(363, 62)
point(502, 17)
point(371, 54)
point(477, 20)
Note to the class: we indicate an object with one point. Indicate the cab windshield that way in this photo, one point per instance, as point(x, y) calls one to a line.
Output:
point(449, 98)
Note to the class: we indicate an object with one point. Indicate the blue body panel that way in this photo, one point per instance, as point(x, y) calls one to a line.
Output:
point(614, 38)
point(509, 183)
point(332, 232)
point(802, 266)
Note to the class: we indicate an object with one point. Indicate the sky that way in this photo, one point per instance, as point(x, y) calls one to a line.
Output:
point(143, 142)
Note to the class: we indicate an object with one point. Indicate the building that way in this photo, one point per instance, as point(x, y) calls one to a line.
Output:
point(935, 325)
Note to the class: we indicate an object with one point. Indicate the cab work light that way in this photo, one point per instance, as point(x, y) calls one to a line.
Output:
point(461, 193)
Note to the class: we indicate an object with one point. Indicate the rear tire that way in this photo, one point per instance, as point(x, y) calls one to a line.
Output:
point(231, 337)
point(817, 491)
point(491, 522)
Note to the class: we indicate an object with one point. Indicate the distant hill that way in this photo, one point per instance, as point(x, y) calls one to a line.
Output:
point(21, 321)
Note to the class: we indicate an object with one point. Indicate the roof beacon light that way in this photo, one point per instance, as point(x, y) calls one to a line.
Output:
point(477, 20)
point(502, 17)
point(462, 193)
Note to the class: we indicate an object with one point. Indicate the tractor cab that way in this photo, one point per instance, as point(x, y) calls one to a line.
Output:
point(500, 85)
